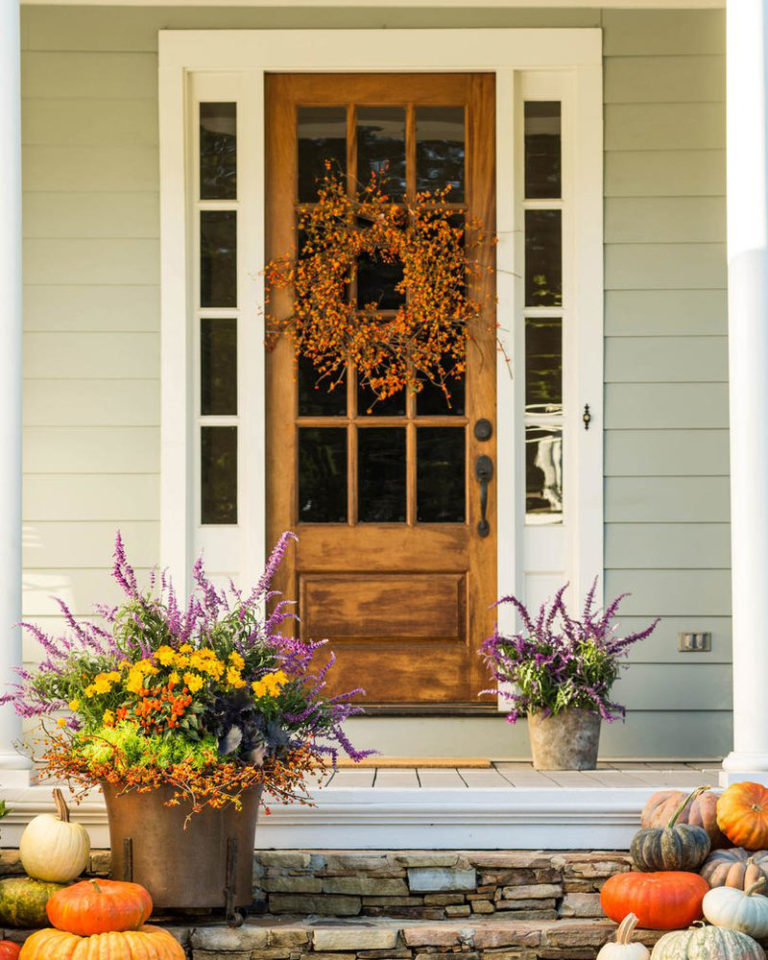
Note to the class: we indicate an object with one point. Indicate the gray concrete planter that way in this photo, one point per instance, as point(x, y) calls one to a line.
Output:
point(566, 741)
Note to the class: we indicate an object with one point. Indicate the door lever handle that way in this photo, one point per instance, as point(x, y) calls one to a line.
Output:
point(484, 475)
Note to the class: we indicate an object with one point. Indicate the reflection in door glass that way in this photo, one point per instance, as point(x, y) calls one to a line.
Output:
point(543, 365)
point(440, 150)
point(322, 136)
point(542, 149)
point(543, 258)
point(440, 475)
point(543, 475)
point(381, 146)
point(322, 475)
point(381, 475)
point(218, 151)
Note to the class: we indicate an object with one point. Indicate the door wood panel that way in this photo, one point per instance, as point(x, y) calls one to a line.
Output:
point(405, 605)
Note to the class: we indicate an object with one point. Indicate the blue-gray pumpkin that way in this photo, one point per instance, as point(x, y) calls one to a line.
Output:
point(677, 846)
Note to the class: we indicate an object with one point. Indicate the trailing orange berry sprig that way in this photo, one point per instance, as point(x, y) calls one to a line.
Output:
point(424, 339)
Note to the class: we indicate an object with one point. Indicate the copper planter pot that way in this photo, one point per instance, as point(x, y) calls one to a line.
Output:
point(208, 865)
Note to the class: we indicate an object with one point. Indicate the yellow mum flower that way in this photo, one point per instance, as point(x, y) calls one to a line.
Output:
point(74, 705)
point(61, 722)
point(237, 661)
point(234, 679)
point(173, 678)
point(108, 718)
point(193, 681)
point(90, 690)
point(186, 648)
point(181, 660)
point(165, 655)
point(259, 688)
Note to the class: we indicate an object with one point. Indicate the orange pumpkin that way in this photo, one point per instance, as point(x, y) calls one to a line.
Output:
point(9, 950)
point(99, 906)
point(149, 943)
point(742, 815)
point(666, 900)
point(700, 812)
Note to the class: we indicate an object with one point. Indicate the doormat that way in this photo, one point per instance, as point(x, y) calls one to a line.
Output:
point(409, 763)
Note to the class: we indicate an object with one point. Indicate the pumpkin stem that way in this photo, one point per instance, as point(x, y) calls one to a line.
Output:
point(757, 885)
point(62, 810)
point(96, 887)
point(689, 799)
point(626, 929)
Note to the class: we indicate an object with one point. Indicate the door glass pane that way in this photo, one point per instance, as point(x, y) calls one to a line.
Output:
point(218, 474)
point(376, 282)
point(381, 146)
point(381, 475)
point(440, 150)
point(322, 475)
point(543, 258)
point(431, 401)
point(218, 258)
point(542, 150)
point(316, 399)
point(543, 365)
point(322, 135)
point(218, 366)
point(369, 404)
point(543, 474)
point(218, 151)
point(440, 475)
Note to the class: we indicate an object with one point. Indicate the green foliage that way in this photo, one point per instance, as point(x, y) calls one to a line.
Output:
point(127, 741)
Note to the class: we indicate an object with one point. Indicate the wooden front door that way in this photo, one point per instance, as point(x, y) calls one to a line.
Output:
point(390, 566)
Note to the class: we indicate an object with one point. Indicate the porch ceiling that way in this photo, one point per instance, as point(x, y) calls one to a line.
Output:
point(488, 4)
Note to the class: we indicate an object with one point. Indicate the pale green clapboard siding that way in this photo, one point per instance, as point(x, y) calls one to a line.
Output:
point(92, 332)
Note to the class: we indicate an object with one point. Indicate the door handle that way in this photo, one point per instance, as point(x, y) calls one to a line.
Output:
point(484, 475)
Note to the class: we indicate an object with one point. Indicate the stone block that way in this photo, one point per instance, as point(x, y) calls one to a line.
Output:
point(585, 933)
point(440, 878)
point(432, 936)
point(581, 905)
point(506, 935)
point(532, 891)
point(420, 912)
point(514, 859)
point(350, 864)
point(443, 898)
point(288, 936)
point(535, 915)
point(578, 886)
point(10, 863)
point(427, 859)
point(399, 954)
point(288, 884)
point(510, 906)
point(365, 886)
point(468, 955)
point(458, 910)
point(309, 904)
point(285, 859)
point(482, 906)
point(393, 901)
point(332, 939)
point(199, 954)
point(323, 956)
point(100, 862)
point(228, 938)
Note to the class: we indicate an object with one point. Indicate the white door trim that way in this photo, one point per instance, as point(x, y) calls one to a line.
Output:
point(567, 59)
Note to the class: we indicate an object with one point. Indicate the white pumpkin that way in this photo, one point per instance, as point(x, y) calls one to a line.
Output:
point(707, 943)
point(623, 949)
point(744, 910)
point(52, 848)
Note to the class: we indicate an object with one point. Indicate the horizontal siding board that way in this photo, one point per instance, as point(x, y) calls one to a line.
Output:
point(664, 126)
point(86, 215)
point(89, 356)
point(661, 500)
point(671, 686)
point(88, 546)
point(672, 79)
point(666, 313)
point(72, 74)
point(52, 497)
point(662, 645)
point(665, 266)
point(674, 593)
point(659, 453)
point(72, 403)
point(665, 546)
point(662, 32)
point(91, 450)
point(666, 406)
point(665, 173)
point(81, 261)
point(664, 220)
point(92, 307)
point(95, 169)
point(666, 359)
point(89, 121)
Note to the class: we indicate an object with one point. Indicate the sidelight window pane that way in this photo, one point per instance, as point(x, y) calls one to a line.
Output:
point(543, 258)
point(543, 475)
point(218, 151)
point(218, 474)
point(440, 475)
point(381, 146)
point(322, 475)
point(440, 150)
point(218, 366)
point(322, 136)
point(218, 258)
point(381, 473)
point(542, 150)
point(543, 365)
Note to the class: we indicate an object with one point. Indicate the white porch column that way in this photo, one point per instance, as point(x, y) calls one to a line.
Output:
point(747, 180)
point(11, 764)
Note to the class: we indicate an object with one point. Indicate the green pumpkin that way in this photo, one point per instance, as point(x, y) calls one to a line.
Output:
point(23, 900)
point(678, 846)
point(707, 943)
